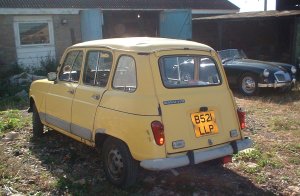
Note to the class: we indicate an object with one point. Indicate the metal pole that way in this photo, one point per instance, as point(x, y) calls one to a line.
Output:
point(266, 5)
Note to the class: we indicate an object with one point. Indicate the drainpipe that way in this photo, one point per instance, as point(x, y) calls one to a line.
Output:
point(266, 5)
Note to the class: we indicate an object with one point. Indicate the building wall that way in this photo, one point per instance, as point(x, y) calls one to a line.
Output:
point(65, 35)
point(269, 39)
point(66, 32)
point(7, 41)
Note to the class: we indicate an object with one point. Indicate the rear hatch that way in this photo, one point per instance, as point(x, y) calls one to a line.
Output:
point(195, 102)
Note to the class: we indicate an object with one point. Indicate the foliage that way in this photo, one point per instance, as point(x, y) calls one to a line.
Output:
point(13, 102)
point(7, 71)
point(47, 64)
point(11, 120)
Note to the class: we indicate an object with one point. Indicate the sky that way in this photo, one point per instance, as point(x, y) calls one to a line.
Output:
point(254, 5)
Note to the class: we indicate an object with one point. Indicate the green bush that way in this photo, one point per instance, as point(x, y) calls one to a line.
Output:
point(48, 64)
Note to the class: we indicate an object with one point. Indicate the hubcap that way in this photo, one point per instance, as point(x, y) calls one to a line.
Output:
point(115, 164)
point(248, 84)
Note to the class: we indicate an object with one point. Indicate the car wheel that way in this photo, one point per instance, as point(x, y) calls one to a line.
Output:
point(119, 166)
point(248, 84)
point(37, 126)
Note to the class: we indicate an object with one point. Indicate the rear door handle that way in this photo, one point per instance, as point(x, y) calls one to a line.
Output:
point(96, 96)
point(71, 91)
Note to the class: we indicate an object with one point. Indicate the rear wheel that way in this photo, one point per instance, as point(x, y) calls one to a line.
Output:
point(37, 126)
point(248, 84)
point(119, 166)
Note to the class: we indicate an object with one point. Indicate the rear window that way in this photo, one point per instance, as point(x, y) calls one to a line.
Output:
point(188, 71)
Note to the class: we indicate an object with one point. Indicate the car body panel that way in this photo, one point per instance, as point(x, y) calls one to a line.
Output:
point(177, 117)
point(236, 67)
point(81, 111)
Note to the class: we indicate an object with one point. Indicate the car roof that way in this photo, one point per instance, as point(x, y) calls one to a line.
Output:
point(144, 44)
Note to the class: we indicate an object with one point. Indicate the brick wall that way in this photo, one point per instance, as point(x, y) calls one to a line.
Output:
point(66, 34)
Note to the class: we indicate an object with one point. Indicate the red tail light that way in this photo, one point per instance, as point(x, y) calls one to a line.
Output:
point(242, 117)
point(158, 132)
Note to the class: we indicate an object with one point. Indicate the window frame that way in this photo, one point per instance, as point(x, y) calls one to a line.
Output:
point(115, 71)
point(85, 66)
point(189, 55)
point(62, 64)
point(24, 20)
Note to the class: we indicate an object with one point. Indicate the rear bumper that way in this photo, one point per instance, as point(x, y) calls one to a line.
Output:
point(198, 156)
point(277, 85)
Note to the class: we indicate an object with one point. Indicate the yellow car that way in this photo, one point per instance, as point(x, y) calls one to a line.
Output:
point(152, 102)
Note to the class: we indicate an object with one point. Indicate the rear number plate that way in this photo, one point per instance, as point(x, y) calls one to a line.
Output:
point(204, 123)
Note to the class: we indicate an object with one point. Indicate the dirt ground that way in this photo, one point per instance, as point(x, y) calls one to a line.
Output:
point(57, 165)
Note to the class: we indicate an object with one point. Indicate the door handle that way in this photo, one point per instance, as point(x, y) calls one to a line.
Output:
point(96, 96)
point(71, 91)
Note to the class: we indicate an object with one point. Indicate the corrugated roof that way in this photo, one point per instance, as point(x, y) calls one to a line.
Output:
point(249, 15)
point(121, 4)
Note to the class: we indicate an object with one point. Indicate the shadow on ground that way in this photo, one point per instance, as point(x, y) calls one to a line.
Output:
point(78, 169)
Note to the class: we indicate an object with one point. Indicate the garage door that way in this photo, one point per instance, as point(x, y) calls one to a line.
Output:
point(176, 24)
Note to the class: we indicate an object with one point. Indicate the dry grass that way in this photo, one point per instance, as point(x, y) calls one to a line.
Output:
point(57, 165)
point(275, 128)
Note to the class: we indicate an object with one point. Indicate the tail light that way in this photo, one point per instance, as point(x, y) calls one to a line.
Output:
point(158, 132)
point(242, 117)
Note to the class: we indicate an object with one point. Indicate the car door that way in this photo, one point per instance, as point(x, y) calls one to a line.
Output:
point(89, 92)
point(61, 93)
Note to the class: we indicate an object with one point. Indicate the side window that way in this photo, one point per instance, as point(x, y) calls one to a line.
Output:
point(70, 70)
point(125, 75)
point(97, 68)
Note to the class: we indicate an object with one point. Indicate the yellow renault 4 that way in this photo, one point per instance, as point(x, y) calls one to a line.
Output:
point(155, 103)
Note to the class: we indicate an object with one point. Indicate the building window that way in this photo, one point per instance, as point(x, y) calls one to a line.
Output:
point(34, 33)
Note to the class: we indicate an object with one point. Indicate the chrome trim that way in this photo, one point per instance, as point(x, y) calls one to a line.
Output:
point(199, 156)
point(277, 84)
point(57, 122)
point(81, 131)
point(66, 126)
point(42, 116)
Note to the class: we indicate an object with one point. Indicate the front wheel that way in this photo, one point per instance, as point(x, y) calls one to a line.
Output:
point(248, 84)
point(37, 126)
point(119, 166)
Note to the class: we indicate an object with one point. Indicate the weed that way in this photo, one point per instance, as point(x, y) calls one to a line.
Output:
point(262, 159)
point(261, 178)
point(279, 124)
point(66, 185)
point(11, 120)
point(294, 160)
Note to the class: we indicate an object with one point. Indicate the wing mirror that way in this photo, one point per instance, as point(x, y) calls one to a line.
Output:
point(52, 76)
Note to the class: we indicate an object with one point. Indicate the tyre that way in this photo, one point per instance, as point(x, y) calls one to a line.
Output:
point(37, 126)
point(248, 84)
point(119, 166)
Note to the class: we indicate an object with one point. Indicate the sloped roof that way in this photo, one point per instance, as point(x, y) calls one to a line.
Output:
point(121, 4)
point(249, 15)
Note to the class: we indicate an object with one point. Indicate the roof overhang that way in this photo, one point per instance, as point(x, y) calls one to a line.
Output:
point(45, 11)
point(251, 15)
point(38, 11)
